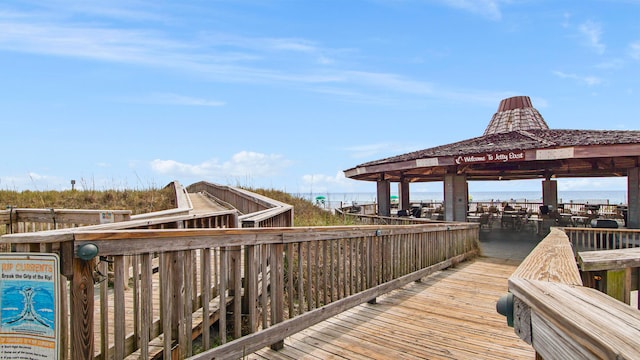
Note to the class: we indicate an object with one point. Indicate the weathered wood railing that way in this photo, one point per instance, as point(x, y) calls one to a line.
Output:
point(609, 260)
point(77, 274)
point(589, 239)
point(385, 220)
point(256, 210)
point(181, 202)
point(561, 319)
point(614, 272)
point(271, 282)
point(19, 220)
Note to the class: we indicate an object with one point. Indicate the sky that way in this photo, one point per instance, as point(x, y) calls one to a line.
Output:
point(288, 94)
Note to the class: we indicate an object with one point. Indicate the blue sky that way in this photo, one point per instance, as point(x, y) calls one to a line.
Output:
point(288, 94)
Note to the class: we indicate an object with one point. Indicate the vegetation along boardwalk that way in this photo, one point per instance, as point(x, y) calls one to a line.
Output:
point(449, 315)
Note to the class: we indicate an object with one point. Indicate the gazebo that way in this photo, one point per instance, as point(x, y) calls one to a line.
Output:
point(517, 144)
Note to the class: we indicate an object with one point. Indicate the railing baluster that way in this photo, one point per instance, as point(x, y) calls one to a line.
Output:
point(205, 293)
point(137, 325)
point(119, 324)
point(187, 314)
point(277, 290)
point(146, 301)
point(236, 287)
point(309, 276)
point(265, 281)
point(103, 267)
point(325, 273)
point(222, 286)
point(251, 287)
point(290, 280)
point(300, 277)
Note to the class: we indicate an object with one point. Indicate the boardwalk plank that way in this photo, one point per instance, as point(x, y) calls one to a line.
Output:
point(449, 315)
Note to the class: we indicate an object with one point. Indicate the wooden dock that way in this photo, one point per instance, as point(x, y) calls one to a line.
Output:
point(449, 315)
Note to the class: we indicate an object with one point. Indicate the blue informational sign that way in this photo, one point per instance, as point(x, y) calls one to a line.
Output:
point(29, 304)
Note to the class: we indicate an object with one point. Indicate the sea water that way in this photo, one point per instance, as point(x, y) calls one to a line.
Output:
point(592, 197)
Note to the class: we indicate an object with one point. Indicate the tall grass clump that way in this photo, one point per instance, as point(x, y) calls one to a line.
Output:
point(305, 213)
point(153, 199)
point(138, 201)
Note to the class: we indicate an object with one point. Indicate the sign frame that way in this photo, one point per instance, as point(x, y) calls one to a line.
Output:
point(29, 306)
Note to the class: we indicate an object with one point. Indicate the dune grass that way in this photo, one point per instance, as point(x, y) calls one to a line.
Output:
point(305, 213)
point(138, 201)
point(152, 199)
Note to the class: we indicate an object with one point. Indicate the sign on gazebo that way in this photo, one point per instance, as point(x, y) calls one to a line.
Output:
point(496, 157)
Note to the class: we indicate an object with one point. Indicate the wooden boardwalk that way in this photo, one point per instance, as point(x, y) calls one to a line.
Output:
point(202, 204)
point(449, 315)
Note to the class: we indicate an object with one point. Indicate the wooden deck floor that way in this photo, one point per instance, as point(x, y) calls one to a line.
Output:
point(449, 315)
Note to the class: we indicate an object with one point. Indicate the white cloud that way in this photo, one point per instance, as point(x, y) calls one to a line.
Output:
point(34, 181)
point(175, 168)
point(242, 164)
point(255, 164)
point(592, 32)
point(587, 80)
point(221, 57)
point(322, 183)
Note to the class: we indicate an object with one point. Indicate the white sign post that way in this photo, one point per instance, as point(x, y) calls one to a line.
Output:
point(29, 306)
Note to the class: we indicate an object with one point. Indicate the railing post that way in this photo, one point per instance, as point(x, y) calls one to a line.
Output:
point(372, 261)
point(618, 283)
point(235, 285)
point(178, 331)
point(82, 310)
point(250, 299)
point(277, 289)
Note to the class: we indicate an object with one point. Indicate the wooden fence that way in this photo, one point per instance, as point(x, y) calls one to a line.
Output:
point(590, 239)
point(385, 220)
point(256, 210)
point(18, 220)
point(270, 282)
point(550, 309)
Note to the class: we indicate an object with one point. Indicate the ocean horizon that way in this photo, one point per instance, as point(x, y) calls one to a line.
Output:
point(594, 197)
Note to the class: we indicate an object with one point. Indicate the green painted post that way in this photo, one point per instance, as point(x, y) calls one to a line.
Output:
point(615, 284)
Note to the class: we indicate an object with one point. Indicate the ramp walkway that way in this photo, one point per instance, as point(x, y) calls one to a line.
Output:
point(449, 315)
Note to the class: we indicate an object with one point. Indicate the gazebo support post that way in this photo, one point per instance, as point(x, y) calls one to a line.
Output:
point(384, 196)
point(456, 197)
point(403, 191)
point(633, 198)
point(550, 193)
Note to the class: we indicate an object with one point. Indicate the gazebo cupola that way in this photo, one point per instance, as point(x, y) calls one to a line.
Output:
point(515, 113)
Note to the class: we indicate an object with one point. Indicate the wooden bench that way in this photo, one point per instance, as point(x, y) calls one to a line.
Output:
point(612, 271)
point(551, 310)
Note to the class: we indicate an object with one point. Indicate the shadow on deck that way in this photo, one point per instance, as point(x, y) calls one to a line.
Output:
point(508, 244)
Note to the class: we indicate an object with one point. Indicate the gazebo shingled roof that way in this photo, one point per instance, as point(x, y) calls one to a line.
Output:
point(517, 144)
